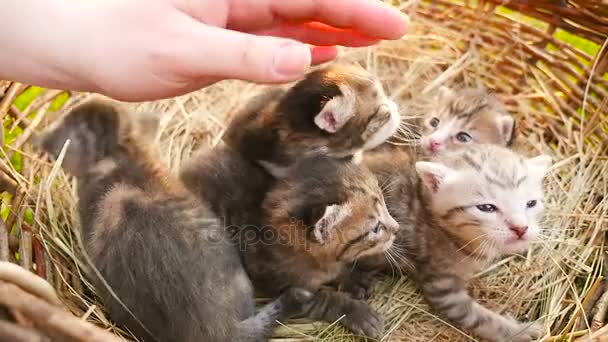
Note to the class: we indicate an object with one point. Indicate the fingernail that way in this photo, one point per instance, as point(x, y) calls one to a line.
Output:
point(292, 59)
point(322, 54)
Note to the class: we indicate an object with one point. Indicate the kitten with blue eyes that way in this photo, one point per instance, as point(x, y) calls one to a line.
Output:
point(458, 212)
point(464, 116)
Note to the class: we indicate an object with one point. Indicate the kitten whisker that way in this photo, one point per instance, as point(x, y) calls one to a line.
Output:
point(398, 248)
point(386, 182)
point(403, 260)
point(390, 186)
point(397, 252)
point(479, 253)
point(489, 246)
point(392, 261)
point(472, 241)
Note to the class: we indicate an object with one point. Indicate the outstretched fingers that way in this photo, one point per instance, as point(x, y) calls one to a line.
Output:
point(371, 18)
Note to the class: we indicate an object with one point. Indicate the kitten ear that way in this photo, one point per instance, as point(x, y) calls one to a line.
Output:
point(432, 174)
point(336, 112)
point(50, 140)
point(540, 164)
point(332, 216)
point(506, 123)
point(443, 93)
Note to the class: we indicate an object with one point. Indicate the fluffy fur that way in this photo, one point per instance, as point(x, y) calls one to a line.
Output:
point(465, 116)
point(339, 109)
point(163, 253)
point(325, 214)
point(233, 186)
point(458, 212)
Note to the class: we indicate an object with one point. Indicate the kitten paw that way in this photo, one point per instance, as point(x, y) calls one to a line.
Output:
point(296, 300)
point(363, 320)
point(361, 285)
point(527, 331)
point(522, 331)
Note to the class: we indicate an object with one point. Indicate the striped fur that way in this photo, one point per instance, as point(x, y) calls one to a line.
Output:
point(466, 112)
point(448, 237)
point(325, 214)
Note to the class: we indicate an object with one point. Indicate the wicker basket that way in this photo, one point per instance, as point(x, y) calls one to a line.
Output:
point(547, 60)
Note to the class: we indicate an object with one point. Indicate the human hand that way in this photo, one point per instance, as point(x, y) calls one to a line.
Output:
point(142, 50)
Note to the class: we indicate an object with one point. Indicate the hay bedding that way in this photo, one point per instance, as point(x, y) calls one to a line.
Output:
point(559, 281)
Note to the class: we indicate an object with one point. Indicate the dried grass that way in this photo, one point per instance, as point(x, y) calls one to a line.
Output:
point(559, 281)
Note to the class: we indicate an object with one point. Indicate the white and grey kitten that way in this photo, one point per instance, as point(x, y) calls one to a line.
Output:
point(458, 212)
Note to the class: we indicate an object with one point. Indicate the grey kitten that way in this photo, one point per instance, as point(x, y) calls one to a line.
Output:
point(163, 252)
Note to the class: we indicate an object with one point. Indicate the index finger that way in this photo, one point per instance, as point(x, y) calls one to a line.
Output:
point(372, 18)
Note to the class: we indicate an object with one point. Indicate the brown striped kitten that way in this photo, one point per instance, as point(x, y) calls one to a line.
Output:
point(162, 252)
point(340, 109)
point(323, 215)
point(464, 116)
point(459, 212)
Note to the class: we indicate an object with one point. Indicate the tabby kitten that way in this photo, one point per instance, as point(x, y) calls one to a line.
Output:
point(340, 109)
point(161, 251)
point(459, 212)
point(464, 116)
point(325, 214)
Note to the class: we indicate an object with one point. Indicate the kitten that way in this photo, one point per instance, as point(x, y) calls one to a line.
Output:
point(459, 212)
point(339, 109)
point(464, 116)
point(325, 214)
point(162, 252)
point(461, 117)
point(233, 186)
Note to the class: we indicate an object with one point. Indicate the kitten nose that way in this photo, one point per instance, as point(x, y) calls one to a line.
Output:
point(391, 225)
point(520, 231)
point(434, 145)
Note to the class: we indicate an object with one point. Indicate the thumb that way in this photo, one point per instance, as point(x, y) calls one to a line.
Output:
point(230, 54)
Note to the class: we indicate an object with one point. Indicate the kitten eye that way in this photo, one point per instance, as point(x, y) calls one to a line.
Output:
point(463, 137)
point(434, 122)
point(487, 208)
point(531, 204)
point(377, 228)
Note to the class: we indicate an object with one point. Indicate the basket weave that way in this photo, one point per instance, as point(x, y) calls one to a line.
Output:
point(547, 57)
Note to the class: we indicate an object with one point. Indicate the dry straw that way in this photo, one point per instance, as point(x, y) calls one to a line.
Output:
point(557, 91)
